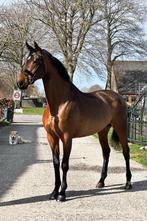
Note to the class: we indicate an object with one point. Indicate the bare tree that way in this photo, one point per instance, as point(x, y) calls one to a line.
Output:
point(16, 26)
point(16, 22)
point(85, 32)
point(120, 34)
point(3, 41)
point(69, 21)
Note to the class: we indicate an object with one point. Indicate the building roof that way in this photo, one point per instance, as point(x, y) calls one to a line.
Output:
point(131, 76)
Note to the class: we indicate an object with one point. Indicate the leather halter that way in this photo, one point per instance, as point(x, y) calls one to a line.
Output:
point(32, 76)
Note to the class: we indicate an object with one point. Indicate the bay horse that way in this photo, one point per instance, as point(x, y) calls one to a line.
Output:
point(71, 113)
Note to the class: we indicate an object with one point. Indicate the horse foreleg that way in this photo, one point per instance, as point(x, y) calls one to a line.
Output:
point(65, 166)
point(106, 152)
point(54, 144)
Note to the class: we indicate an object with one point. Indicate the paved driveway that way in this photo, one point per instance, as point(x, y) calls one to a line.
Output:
point(27, 178)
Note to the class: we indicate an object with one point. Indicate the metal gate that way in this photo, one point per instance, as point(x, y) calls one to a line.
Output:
point(137, 120)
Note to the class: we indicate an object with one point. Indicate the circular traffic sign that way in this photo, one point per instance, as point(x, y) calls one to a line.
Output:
point(17, 95)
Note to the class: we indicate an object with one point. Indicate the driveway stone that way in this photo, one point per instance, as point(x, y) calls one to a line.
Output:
point(27, 178)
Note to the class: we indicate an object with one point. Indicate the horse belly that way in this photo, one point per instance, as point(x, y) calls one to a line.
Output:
point(92, 126)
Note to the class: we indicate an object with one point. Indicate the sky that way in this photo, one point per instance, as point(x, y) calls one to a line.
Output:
point(80, 80)
point(5, 1)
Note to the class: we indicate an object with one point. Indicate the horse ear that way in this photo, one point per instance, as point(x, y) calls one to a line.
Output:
point(37, 47)
point(29, 47)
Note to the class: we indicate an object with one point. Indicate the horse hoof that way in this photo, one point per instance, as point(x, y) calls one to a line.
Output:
point(128, 186)
point(61, 198)
point(100, 185)
point(53, 196)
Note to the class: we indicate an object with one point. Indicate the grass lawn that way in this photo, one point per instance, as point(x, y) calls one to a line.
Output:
point(4, 123)
point(33, 110)
point(137, 154)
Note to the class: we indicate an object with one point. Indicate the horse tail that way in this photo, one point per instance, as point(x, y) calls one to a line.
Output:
point(115, 142)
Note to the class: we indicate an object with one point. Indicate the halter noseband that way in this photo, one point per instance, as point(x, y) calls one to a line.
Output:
point(30, 77)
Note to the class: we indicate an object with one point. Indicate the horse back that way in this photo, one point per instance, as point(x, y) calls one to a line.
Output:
point(116, 102)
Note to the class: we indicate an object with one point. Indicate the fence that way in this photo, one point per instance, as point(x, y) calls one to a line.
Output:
point(138, 121)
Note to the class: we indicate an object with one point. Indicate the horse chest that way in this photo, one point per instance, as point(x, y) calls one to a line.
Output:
point(52, 124)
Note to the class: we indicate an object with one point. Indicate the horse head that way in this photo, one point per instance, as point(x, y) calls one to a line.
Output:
point(33, 67)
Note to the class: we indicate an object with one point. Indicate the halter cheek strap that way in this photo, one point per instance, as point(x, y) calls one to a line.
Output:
point(31, 77)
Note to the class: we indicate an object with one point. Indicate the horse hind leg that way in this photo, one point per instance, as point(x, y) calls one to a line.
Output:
point(122, 132)
point(103, 138)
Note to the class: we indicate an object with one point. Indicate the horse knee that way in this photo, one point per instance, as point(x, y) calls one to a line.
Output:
point(65, 166)
point(56, 162)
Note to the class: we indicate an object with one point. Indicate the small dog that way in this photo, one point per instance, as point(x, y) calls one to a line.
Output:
point(15, 138)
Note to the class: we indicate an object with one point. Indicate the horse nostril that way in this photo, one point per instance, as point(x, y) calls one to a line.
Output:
point(20, 84)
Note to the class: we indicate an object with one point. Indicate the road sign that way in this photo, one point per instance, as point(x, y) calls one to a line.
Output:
point(16, 95)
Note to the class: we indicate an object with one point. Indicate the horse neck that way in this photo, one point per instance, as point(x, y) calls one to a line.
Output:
point(57, 92)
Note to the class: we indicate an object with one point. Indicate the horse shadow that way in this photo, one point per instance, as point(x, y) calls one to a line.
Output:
point(80, 194)
point(108, 190)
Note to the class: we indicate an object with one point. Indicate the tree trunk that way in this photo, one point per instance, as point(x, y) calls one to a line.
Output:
point(69, 64)
point(109, 47)
point(109, 71)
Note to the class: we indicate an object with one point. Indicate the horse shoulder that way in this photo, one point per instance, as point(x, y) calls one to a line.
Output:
point(46, 118)
point(67, 116)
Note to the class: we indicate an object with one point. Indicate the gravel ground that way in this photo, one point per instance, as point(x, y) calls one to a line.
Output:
point(27, 178)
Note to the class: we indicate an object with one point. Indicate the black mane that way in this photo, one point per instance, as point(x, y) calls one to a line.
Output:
point(60, 67)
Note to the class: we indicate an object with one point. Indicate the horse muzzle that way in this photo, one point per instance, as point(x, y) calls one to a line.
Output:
point(22, 82)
